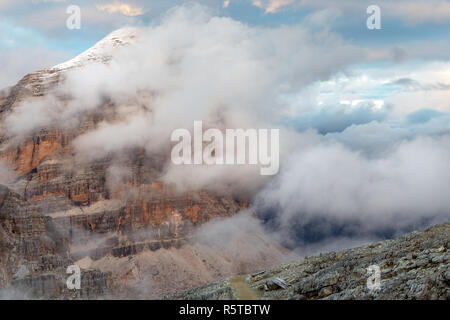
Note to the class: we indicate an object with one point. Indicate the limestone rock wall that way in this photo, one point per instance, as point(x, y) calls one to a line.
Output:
point(135, 212)
point(34, 255)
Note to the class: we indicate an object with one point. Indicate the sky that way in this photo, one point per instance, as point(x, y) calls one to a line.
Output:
point(364, 114)
point(410, 29)
point(414, 36)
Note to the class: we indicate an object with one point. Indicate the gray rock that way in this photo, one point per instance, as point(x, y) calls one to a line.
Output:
point(414, 266)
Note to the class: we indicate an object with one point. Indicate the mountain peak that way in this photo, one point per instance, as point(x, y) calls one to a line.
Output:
point(102, 50)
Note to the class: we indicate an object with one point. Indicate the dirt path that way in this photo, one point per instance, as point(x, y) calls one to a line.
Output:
point(243, 290)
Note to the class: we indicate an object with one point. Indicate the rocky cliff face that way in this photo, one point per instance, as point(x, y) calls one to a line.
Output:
point(414, 266)
point(35, 252)
point(96, 217)
point(78, 194)
point(35, 255)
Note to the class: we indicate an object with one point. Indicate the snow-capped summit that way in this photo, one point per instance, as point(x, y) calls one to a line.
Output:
point(101, 51)
point(38, 82)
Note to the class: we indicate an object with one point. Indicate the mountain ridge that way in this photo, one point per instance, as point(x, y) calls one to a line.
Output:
point(413, 266)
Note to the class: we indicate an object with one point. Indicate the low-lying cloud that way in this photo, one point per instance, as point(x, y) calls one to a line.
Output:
point(326, 185)
point(338, 165)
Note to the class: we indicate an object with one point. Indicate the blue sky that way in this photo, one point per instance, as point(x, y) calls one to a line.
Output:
point(27, 23)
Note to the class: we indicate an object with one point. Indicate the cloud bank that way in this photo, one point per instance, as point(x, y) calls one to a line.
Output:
point(347, 168)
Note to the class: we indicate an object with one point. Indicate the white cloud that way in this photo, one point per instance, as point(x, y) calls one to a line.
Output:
point(17, 62)
point(417, 12)
point(410, 11)
point(392, 191)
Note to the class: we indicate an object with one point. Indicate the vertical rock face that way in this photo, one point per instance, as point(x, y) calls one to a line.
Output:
point(64, 208)
point(78, 197)
point(34, 255)
point(24, 233)
point(78, 194)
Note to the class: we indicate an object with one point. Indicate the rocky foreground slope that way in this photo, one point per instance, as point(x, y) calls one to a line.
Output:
point(414, 266)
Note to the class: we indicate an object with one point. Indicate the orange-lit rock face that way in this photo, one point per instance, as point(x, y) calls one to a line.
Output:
point(193, 212)
point(153, 212)
point(151, 223)
point(27, 155)
point(67, 208)
point(150, 214)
